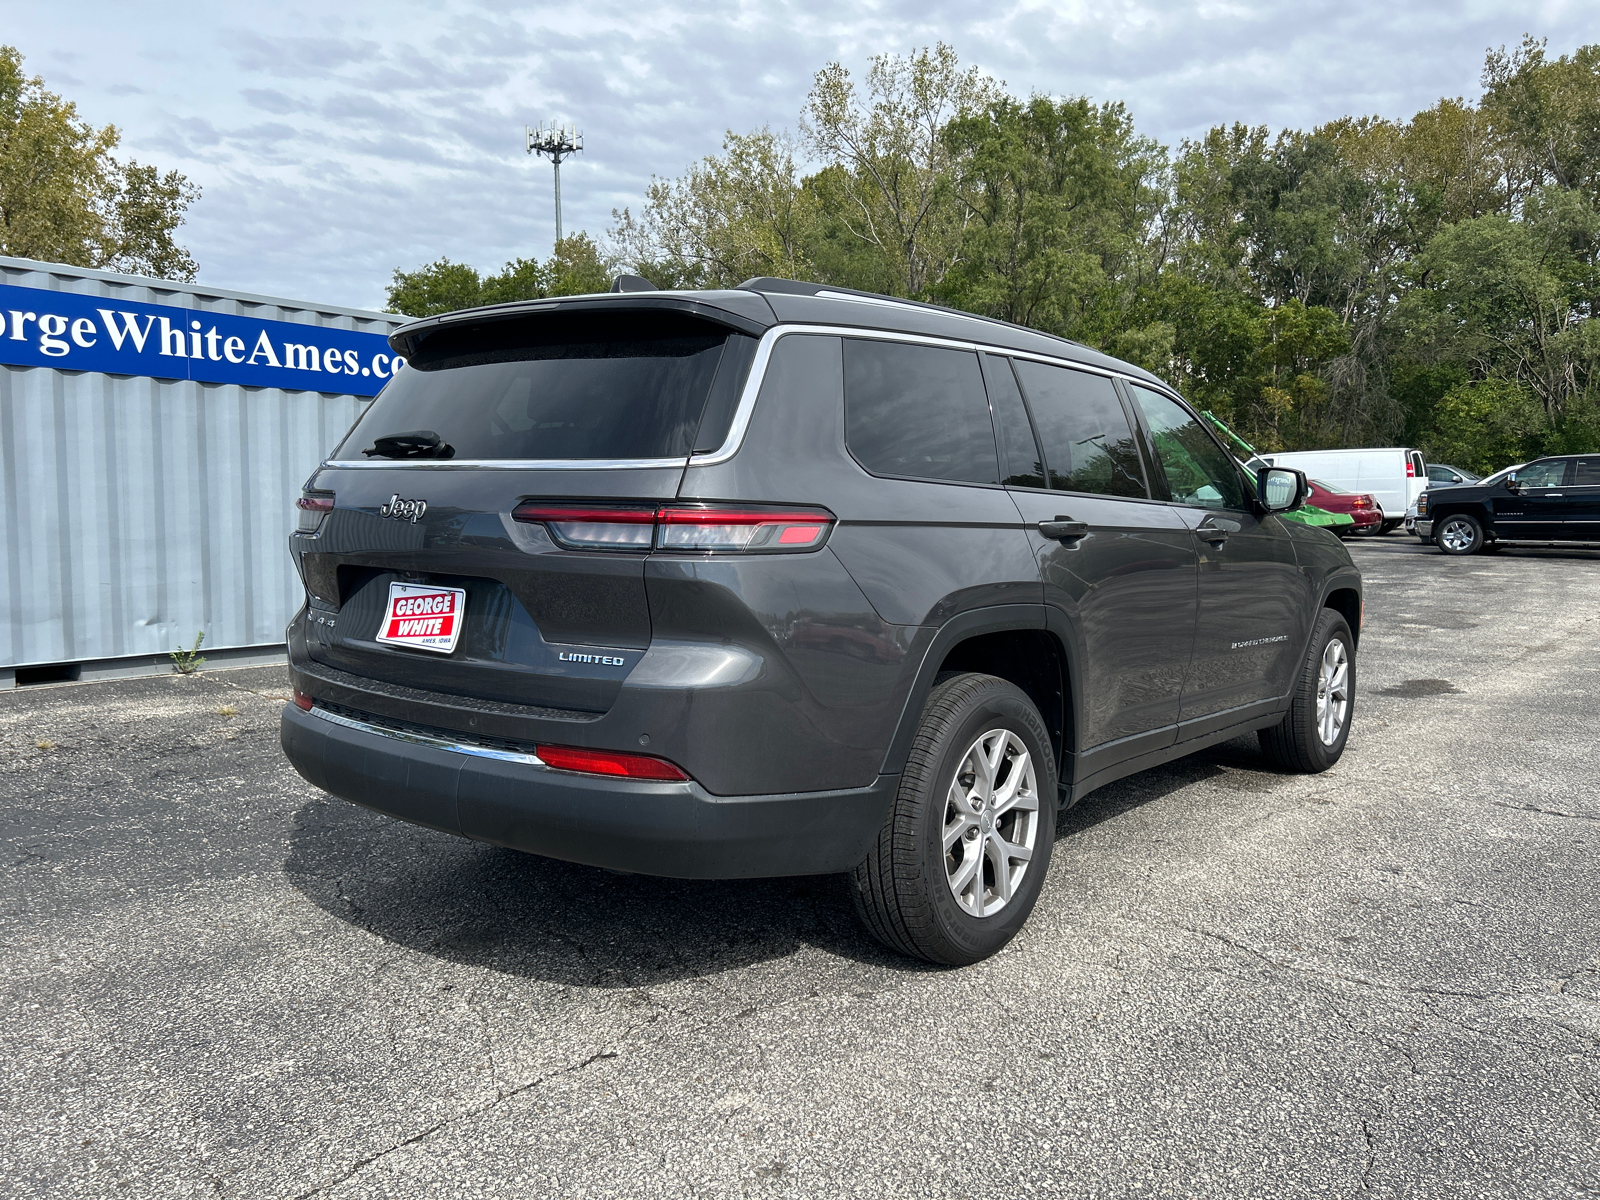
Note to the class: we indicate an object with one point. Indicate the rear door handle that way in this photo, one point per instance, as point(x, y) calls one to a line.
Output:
point(1064, 529)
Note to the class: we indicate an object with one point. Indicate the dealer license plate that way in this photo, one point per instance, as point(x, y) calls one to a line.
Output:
point(427, 618)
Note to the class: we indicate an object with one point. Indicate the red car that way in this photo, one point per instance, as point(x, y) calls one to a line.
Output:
point(1359, 506)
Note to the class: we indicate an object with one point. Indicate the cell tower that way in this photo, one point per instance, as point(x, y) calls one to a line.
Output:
point(555, 142)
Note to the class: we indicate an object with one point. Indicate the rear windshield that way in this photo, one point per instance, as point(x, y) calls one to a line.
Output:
point(548, 386)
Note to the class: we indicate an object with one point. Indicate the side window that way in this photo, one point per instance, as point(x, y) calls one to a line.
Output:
point(1021, 464)
point(1548, 473)
point(917, 411)
point(1198, 471)
point(1083, 429)
point(1586, 472)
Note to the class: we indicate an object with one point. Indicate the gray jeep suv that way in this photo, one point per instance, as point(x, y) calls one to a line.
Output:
point(782, 580)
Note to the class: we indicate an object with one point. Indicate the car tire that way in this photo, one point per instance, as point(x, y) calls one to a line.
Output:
point(911, 892)
point(1388, 527)
point(1458, 533)
point(1312, 735)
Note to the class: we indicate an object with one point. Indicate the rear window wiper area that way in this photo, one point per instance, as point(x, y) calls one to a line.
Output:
point(418, 443)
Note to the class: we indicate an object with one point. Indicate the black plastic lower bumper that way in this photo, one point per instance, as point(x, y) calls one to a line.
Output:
point(672, 829)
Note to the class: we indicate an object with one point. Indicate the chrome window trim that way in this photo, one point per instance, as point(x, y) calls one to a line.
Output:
point(421, 739)
point(746, 406)
point(504, 464)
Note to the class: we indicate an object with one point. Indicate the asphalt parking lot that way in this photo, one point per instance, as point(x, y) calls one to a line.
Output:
point(1380, 981)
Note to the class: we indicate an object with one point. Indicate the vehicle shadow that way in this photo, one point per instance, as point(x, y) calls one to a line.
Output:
point(577, 926)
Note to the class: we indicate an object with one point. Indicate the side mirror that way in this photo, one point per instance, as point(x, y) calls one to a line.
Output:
point(1281, 489)
point(1511, 483)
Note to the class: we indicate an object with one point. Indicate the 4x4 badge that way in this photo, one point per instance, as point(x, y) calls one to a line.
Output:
point(404, 510)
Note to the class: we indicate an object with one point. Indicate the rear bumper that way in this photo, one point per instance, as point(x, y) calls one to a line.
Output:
point(677, 830)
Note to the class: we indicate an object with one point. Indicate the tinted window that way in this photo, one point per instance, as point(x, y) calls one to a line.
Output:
point(1088, 444)
point(553, 386)
point(1197, 470)
point(917, 411)
point(1021, 464)
point(1548, 473)
point(1586, 472)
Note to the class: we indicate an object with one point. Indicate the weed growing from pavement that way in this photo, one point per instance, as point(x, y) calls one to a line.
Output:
point(227, 710)
point(44, 744)
point(187, 662)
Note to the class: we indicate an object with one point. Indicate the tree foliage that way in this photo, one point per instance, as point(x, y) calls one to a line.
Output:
point(64, 197)
point(576, 266)
point(1426, 281)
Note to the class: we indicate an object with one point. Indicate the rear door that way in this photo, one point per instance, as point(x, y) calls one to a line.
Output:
point(1254, 604)
point(1537, 508)
point(515, 465)
point(1124, 589)
point(1582, 519)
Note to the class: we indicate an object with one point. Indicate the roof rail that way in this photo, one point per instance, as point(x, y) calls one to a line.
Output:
point(824, 291)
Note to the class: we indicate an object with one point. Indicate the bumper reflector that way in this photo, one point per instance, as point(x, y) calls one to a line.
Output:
point(301, 700)
point(609, 762)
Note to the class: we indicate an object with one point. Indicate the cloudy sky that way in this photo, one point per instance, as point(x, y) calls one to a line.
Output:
point(337, 142)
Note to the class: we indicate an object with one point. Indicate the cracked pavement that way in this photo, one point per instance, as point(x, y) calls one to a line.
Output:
point(1381, 981)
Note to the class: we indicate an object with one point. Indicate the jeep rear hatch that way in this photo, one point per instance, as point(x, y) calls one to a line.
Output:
point(599, 408)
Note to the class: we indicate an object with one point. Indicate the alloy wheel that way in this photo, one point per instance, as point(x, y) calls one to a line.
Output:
point(991, 822)
point(1455, 534)
point(1333, 692)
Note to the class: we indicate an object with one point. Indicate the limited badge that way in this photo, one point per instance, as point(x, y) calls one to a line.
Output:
point(427, 618)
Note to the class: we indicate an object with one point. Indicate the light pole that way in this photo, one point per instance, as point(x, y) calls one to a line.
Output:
point(555, 142)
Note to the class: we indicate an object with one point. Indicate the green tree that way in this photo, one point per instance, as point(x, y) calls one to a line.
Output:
point(728, 218)
point(576, 267)
point(65, 198)
point(894, 187)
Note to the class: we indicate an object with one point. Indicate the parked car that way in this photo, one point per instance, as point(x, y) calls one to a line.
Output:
point(1443, 473)
point(782, 580)
point(1554, 499)
point(1394, 476)
point(1360, 507)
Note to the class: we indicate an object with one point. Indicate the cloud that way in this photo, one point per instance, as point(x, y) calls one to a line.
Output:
point(393, 132)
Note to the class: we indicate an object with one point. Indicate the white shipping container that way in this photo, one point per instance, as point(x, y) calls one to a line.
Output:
point(142, 510)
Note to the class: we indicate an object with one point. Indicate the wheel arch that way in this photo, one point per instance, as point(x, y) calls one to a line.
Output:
point(1346, 601)
point(1008, 641)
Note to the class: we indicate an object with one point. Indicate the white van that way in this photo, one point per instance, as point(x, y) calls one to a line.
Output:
point(1394, 476)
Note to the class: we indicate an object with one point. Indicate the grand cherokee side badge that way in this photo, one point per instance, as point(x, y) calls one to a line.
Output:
point(404, 510)
point(605, 660)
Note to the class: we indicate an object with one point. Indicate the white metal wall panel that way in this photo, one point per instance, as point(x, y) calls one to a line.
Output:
point(141, 511)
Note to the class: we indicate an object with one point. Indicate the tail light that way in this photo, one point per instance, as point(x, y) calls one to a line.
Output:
point(703, 528)
point(1361, 502)
point(608, 762)
point(302, 700)
point(1411, 468)
point(313, 507)
point(593, 527)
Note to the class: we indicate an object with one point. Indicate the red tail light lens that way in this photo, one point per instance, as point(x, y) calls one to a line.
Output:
point(301, 700)
point(607, 762)
point(703, 528)
point(752, 529)
point(312, 507)
point(1411, 469)
point(593, 527)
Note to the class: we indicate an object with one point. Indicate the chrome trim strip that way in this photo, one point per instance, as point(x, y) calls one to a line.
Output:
point(758, 370)
point(506, 464)
point(746, 406)
point(421, 739)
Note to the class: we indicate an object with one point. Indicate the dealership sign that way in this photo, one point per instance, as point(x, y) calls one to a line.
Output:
point(44, 328)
